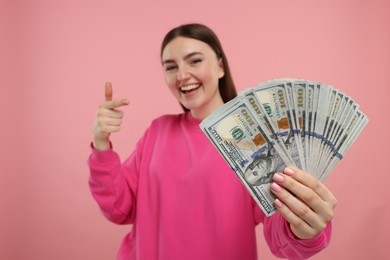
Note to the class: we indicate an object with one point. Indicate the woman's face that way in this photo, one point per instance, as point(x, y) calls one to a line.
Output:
point(192, 71)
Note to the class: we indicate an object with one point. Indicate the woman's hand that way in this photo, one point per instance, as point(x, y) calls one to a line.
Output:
point(108, 119)
point(303, 201)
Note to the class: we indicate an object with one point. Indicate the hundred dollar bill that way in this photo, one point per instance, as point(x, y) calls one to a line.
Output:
point(347, 110)
point(323, 91)
point(349, 139)
point(293, 102)
point(274, 98)
point(283, 122)
point(271, 129)
point(355, 126)
point(246, 147)
point(334, 110)
point(309, 118)
point(299, 101)
point(312, 96)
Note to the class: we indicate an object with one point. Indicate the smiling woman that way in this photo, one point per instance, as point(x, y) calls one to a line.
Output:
point(56, 56)
point(170, 186)
point(207, 39)
point(192, 72)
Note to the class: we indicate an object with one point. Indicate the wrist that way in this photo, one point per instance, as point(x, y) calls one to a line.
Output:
point(101, 145)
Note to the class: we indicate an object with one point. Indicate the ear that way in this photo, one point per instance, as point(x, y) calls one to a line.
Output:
point(221, 72)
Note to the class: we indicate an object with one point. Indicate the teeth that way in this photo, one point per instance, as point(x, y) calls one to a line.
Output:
point(189, 87)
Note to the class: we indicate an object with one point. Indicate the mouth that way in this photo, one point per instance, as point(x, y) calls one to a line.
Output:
point(189, 88)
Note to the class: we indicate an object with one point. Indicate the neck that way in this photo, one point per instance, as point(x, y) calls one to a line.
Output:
point(204, 112)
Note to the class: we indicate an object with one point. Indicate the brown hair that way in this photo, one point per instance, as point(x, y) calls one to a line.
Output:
point(203, 33)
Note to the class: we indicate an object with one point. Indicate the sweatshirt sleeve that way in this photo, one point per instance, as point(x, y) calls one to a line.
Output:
point(113, 184)
point(283, 243)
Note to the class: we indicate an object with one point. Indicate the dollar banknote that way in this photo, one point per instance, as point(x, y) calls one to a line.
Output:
point(282, 122)
point(248, 149)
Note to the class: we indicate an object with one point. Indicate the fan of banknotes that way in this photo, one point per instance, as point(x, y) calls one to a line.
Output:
point(283, 122)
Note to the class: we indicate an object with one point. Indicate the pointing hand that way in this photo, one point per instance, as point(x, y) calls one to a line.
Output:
point(108, 119)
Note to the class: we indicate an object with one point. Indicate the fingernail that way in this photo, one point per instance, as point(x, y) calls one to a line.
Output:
point(275, 187)
point(278, 177)
point(288, 171)
point(126, 101)
point(278, 203)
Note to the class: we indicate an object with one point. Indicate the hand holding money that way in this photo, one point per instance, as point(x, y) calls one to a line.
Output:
point(303, 201)
point(108, 119)
point(285, 122)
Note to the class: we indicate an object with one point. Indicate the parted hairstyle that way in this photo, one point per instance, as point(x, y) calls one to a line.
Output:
point(203, 33)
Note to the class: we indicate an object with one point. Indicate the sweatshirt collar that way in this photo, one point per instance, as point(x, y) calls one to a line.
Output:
point(191, 121)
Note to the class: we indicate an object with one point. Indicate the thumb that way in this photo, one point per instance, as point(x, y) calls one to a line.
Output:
point(108, 91)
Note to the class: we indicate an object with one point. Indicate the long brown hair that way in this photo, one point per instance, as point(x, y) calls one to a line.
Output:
point(205, 34)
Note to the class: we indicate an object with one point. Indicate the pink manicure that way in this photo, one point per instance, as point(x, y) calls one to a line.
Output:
point(276, 187)
point(278, 177)
point(278, 203)
point(288, 171)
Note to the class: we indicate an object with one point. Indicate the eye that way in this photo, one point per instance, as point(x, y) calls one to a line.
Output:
point(195, 61)
point(170, 68)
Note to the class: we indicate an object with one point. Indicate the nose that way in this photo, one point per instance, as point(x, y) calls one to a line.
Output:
point(182, 74)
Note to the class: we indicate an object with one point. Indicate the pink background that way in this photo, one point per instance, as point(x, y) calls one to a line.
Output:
point(57, 55)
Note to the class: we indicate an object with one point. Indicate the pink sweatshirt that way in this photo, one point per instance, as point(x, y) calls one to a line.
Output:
point(184, 201)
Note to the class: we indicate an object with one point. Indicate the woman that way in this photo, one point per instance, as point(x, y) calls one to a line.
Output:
point(180, 195)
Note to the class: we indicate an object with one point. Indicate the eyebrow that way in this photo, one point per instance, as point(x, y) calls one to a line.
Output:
point(188, 56)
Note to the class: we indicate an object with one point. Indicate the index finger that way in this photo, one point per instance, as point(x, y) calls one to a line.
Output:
point(108, 91)
point(310, 182)
point(113, 104)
